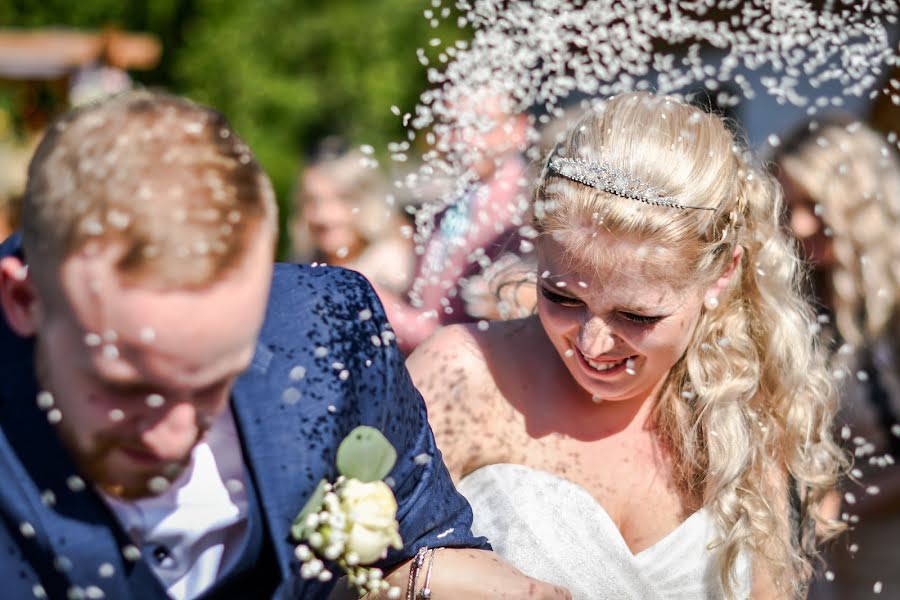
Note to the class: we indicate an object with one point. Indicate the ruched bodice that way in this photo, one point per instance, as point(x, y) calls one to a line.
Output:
point(554, 530)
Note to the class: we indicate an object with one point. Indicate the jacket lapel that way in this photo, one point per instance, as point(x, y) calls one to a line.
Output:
point(270, 429)
point(262, 436)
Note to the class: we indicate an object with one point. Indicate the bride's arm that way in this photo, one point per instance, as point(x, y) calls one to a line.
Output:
point(449, 371)
point(466, 573)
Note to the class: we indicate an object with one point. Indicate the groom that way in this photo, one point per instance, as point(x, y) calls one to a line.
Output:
point(169, 400)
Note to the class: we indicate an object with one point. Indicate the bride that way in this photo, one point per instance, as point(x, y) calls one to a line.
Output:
point(662, 427)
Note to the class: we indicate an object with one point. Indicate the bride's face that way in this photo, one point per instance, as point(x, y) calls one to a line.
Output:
point(621, 327)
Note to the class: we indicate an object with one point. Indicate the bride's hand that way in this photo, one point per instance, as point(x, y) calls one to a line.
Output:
point(476, 574)
point(473, 575)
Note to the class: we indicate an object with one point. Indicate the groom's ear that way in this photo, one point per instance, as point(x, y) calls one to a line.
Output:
point(19, 297)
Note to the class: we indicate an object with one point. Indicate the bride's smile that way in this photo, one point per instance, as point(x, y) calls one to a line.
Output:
point(606, 366)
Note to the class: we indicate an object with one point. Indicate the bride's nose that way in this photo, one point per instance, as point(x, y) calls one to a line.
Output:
point(595, 337)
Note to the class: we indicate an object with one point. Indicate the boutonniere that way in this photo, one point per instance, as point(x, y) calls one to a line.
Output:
point(353, 520)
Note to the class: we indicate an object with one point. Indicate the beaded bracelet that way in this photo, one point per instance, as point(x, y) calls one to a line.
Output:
point(414, 572)
point(414, 568)
point(425, 592)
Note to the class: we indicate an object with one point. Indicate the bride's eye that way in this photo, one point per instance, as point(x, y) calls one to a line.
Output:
point(640, 319)
point(559, 298)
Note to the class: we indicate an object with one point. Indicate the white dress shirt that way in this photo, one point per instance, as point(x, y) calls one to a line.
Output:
point(191, 533)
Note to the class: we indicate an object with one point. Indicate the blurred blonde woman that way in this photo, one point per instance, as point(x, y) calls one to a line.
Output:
point(662, 428)
point(842, 189)
point(342, 218)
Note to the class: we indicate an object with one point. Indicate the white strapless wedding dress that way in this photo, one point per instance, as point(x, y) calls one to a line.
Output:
point(552, 529)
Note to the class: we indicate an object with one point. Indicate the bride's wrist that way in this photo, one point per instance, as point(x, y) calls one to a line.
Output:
point(416, 568)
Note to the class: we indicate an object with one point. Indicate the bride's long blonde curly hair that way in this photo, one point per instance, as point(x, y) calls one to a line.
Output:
point(747, 411)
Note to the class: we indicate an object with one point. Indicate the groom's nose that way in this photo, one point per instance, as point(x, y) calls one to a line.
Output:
point(174, 431)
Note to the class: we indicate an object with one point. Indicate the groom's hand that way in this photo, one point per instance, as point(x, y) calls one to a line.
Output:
point(473, 575)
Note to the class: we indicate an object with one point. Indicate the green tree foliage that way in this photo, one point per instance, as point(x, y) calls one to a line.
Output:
point(285, 72)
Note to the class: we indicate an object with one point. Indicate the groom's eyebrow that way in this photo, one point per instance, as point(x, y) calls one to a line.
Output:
point(135, 381)
point(144, 388)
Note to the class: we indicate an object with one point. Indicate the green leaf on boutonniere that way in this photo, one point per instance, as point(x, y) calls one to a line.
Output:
point(299, 529)
point(366, 455)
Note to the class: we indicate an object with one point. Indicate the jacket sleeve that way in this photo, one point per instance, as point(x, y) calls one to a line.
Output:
point(430, 510)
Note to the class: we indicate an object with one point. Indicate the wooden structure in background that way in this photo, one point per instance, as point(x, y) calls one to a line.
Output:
point(51, 54)
point(38, 67)
point(37, 61)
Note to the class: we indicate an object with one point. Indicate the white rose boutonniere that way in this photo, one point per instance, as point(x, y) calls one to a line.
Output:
point(372, 515)
point(352, 521)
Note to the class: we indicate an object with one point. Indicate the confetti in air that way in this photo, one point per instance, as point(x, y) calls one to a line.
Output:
point(547, 55)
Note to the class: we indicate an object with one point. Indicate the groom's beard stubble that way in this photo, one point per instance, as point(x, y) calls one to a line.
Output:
point(104, 465)
point(98, 465)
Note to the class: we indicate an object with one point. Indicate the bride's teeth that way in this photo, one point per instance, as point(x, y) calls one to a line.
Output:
point(604, 366)
point(629, 366)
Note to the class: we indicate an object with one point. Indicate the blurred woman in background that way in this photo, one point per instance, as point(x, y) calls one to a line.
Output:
point(342, 217)
point(842, 190)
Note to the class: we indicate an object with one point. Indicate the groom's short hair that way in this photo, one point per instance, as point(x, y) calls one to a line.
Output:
point(167, 180)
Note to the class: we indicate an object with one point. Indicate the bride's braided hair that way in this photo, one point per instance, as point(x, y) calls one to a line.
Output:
point(747, 411)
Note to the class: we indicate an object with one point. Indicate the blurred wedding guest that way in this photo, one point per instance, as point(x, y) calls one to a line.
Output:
point(506, 289)
point(842, 189)
point(478, 227)
point(342, 218)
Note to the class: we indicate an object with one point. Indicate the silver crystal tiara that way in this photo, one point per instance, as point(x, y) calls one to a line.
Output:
point(603, 176)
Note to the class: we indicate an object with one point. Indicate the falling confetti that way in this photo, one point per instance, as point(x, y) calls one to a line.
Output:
point(547, 55)
point(45, 400)
point(290, 396)
point(27, 530)
point(131, 553)
point(158, 485)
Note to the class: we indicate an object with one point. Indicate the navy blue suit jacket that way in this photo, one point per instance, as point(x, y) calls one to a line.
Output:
point(55, 535)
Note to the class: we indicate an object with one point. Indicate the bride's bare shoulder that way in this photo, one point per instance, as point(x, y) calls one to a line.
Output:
point(464, 354)
point(451, 355)
point(456, 370)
